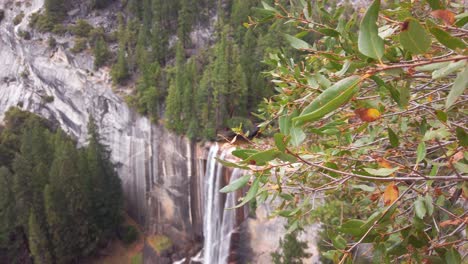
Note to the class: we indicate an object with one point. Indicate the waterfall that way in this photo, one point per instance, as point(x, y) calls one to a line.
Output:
point(218, 223)
point(229, 221)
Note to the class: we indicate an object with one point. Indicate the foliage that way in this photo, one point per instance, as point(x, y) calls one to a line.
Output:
point(159, 243)
point(81, 29)
point(101, 52)
point(41, 22)
point(80, 45)
point(48, 186)
point(18, 18)
point(292, 251)
point(368, 128)
point(128, 234)
point(51, 42)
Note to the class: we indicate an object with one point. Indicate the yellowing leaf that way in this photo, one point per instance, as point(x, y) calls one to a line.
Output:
point(368, 114)
point(391, 194)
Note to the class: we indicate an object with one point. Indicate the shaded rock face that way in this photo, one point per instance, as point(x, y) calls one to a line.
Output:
point(154, 165)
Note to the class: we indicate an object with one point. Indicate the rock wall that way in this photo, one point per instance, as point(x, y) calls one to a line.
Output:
point(154, 165)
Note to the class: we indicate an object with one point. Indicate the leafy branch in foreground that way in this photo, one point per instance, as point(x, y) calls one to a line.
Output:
point(368, 129)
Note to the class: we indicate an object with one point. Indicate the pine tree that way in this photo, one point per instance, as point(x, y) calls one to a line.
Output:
point(101, 52)
point(174, 102)
point(119, 72)
point(106, 191)
point(7, 207)
point(38, 241)
point(141, 53)
point(292, 251)
point(55, 9)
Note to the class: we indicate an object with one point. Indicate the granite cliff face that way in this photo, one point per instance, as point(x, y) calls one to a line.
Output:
point(154, 165)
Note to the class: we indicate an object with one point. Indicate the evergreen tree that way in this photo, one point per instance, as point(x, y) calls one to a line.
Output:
point(292, 251)
point(119, 72)
point(101, 52)
point(55, 9)
point(106, 191)
point(7, 207)
point(141, 53)
point(38, 241)
point(174, 101)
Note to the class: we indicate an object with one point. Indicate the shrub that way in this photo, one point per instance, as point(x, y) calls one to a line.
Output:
point(41, 22)
point(128, 234)
point(159, 243)
point(81, 29)
point(51, 42)
point(48, 99)
point(24, 34)
point(18, 18)
point(80, 45)
point(59, 29)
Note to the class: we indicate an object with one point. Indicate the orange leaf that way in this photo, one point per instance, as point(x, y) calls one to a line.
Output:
point(391, 194)
point(384, 163)
point(447, 16)
point(368, 114)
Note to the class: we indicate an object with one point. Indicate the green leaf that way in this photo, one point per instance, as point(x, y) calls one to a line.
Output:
point(421, 152)
point(452, 256)
point(296, 43)
point(297, 136)
point(404, 95)
point(429, 205)
point(459, 86)
point(329, 32)
point(420, 208)
point(236, 185)
point(364, 187)
point(281, 141)
point(462, 136)
point(369, 42)
point(339, 242)
point(261, 158)
point(441, 115)
point(432, 66)
point(250, 194)
point(244, 153)
point(284, 124)
point(435, 4)
point(268, 7)
point(381, 171)
point(330, 100)
point(415, 38)
point(394, 141)
point(452, 67)
point(446, 39)
point(353, 227)
point(231, 164)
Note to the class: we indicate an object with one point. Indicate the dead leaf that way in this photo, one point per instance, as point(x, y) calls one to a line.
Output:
point(384, 163)
point(375, 195)
point(447, 16)
point(456, 158)
point(368, 114)
point(453, 222)
point(391, 194)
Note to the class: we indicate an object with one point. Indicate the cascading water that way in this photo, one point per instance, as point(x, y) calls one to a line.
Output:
point(229, 221)
point(218, 223)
